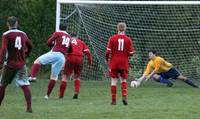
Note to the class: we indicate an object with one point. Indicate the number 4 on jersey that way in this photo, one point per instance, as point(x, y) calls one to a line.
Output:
point(74, 41)
point(18, 43)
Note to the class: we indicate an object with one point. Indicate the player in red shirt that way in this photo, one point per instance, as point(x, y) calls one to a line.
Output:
point(120, 47)
point(74, 64)
point(16, 46)
point(61, 42)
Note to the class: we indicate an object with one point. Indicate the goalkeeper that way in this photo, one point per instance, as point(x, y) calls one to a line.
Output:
point(161, 71)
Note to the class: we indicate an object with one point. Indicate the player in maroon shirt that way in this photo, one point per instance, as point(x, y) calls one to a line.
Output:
point(120, 47)
point(17, 46)
point(74, 64)
point(61, 42)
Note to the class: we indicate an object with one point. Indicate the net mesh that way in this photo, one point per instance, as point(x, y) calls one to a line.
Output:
point(172, 30)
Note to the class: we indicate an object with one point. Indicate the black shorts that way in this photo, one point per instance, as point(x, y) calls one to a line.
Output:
point(19, 75)
point(7, 75)
point(172, 73)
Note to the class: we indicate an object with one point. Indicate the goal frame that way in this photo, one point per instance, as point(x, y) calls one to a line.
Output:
point(59, 2)
point(76, 3)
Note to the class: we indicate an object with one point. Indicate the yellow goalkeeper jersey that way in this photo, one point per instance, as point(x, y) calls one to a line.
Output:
point(158, 64)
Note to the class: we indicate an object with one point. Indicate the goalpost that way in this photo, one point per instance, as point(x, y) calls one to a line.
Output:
point(170, 27)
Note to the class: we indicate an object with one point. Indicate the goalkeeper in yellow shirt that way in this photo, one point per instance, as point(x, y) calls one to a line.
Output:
point(161, 71)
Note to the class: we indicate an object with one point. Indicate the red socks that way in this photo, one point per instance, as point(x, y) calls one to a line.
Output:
point(113, 93)
point(35, 69)
point(27, 95)
point(50, 86)
point(76, 86)
point(124, 89)
point(2, 93)
point(63, 86)
point(114, 90)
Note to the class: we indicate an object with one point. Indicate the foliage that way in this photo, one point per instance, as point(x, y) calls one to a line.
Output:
point(36, 18)
point(172, 30)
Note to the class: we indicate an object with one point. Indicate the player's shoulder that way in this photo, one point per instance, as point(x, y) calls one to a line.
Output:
point(113, 36)
point(79, 40)
point(158, 58)
point(116, 36)
point(61, 32)
point(127, 37)
point(14, 31)
point(150, 62)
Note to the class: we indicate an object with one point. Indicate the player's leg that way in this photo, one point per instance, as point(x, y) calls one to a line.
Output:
point(63, 84)
point(114, 75)
point(187, 81)
point(2, 92)
point(22, 81)
point(66, 73)
point(6, 78)
point(113, 90)
point(58, 64)
point(124, 77)
point(34, 70)
point(77, 82)
point(173, 73)
point(162, 78)
point(46, 58)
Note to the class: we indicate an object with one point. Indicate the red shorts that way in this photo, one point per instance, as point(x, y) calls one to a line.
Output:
point(116, 73)
point(73, 64)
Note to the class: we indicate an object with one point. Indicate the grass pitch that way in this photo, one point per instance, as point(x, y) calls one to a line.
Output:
point(150, 101)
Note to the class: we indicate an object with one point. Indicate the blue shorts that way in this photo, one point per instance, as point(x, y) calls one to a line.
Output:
point(172, 73)
point(56, 59)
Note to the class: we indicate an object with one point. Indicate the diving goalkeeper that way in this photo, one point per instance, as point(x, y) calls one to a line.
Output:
point(161, 71)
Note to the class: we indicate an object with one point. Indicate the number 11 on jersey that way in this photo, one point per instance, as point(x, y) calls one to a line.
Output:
point(120, 44)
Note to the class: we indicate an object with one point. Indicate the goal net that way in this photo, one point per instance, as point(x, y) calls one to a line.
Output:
point(170, 28)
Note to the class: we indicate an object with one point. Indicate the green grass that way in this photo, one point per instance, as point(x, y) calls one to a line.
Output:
point(150, 101)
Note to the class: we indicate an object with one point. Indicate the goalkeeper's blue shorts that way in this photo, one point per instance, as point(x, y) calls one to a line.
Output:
point(172, 73)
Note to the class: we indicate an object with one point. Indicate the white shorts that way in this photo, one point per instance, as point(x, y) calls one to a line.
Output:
point(56, 59)
point(21, 77)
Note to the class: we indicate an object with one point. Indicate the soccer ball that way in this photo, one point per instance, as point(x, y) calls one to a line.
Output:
point(135, 83)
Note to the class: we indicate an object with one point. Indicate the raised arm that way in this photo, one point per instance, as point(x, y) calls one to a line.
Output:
point(146, 74)
point(52, 39)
